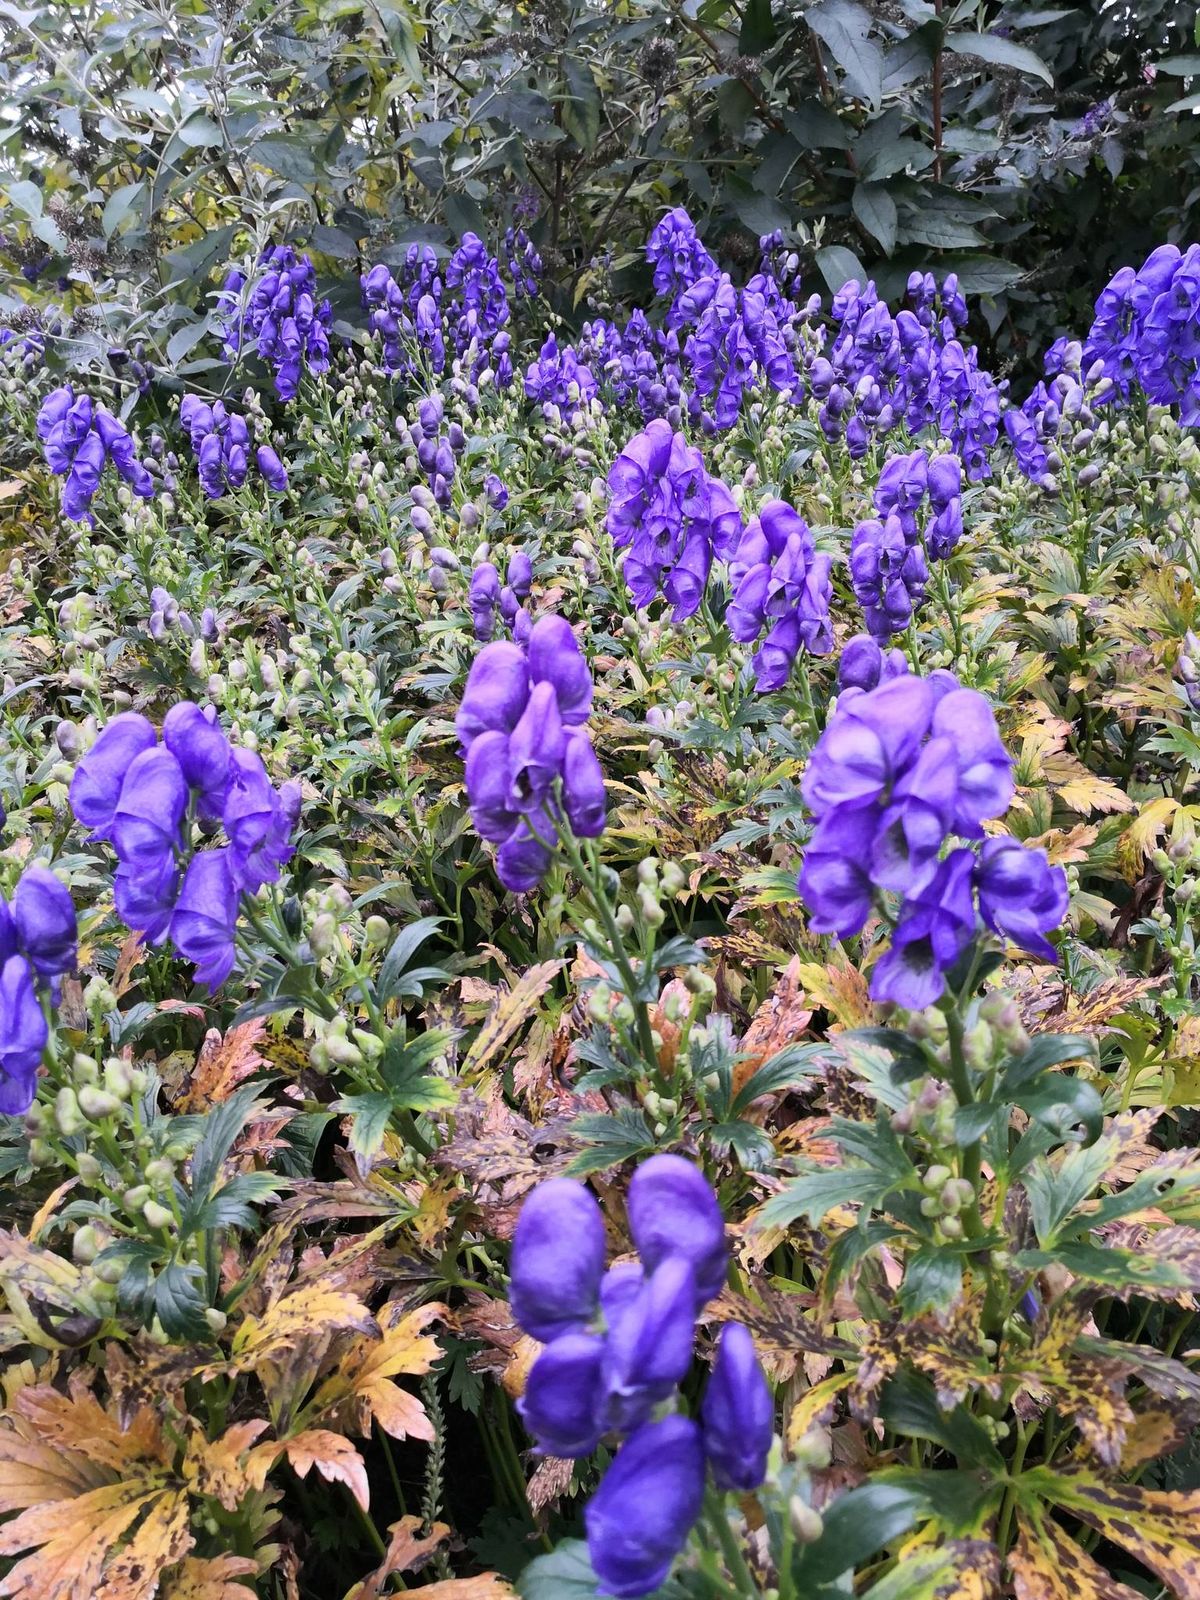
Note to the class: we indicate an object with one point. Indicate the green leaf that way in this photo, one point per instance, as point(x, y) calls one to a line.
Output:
point(794, 1064)
point(1055, 1192)
point(815, 127)
point(1179, 66)
point(1061, 1103)
point(230, 1207)
point(857, 1525)
point(845, 27)
point(26, 196)
point(370, 1116)
point(1047, 1050)
point(178, 1304)
point(758, 28)
point(837, 266)
point(613, 1139)
point(998, 52)
point(816, 1194)
point(404, 947)
point(221, 1128)
point(910, 1407)
point(932, 1281)
point(876, 210)
point(909, 1058)
point(565, 1574)
point(119, 205)
point(580, 109)
point(185, 339)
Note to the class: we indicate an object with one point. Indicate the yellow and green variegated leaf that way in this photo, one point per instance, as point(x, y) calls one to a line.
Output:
point(1047, 1564)
point(961, 1569)
point(1160, 1529)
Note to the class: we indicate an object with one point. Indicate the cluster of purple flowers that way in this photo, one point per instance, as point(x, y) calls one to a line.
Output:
point(221, 442)
point(780, 583)
point(899, 769)
point(486, 596)
point(559, 378)
point(523, 262)
point(678, 257)
point(423, 314)
point(143, 796)
point(888, 565)
point(617, 1345)
point(530, 766)
point(1145, 330)
point(669, 517)
point(740, 340)
point(281, 317)
point(78, 437)
point(638, 363)
point(438, 452)
point(38, 937)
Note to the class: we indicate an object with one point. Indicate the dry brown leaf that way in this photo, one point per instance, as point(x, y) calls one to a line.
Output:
point(406, 1549)
point(133, 953)
point(223, 1063)
point(779, 1021)
point(549, 1483)
point(334, 1457)
point(488, 1586)
point(511, 1010)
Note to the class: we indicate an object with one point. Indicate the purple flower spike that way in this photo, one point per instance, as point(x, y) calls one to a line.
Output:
point(96, 784)
point(202, 927)
point(1021, 896)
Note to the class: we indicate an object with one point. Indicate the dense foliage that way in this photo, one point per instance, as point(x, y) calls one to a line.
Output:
point(598, 976)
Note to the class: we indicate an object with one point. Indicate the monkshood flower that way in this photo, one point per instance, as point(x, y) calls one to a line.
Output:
point(781, 584)
point(523, 262)
point(478, 306)
point(888, 575)
point(142, 796)
point(530, 767)
point(483, 597)
point(900, 770)
point(78, 438)
point(617, 1345)
point(280, 315)
point(738, 343)
point(559, 378)
point(635, 363)
point(38, 946)
point(864, 665)
point(669, 517)
point(677, 255)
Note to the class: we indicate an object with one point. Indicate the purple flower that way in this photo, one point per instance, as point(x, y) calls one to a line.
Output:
point(522, 860)
point(520, 574)
point(145, 892)
point(557, 1259)
point(583, 788)
point(1021, 896)
point(888, 575)
point(674, 1212)
point(205, 915)
point(738, 1413)
point(272, 468)
point(44, 915)
point(96, 783)
point(555, 658)
point(834, 881)
point(496, 692)
point(24, 1033)
point(864, 665)
point(563, 1403)
point(148, 819)
point(935, 927)
point(497, 494)
point(649, 1346)
point(257, 822)
point(196, 740)
point(639, 1519)
point(868, 744)
point(985, 780)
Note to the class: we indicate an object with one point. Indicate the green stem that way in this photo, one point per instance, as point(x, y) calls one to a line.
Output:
point(735, 1560)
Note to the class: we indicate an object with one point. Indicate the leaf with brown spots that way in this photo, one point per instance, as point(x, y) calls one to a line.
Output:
point(1047, 1564)
point(782, 1331)
point(779, 1021)
point(511, 1010)
point(488, 1586)
point(334, 1457)
point(407, 1549)
point(210, 1578)
point(549, 1483)
point(161, 1540)
point(840, 989)
point(231, 1467)
point(1157, 1528)
point(223, 1063)
point(293, 1319)
point(363, 1381)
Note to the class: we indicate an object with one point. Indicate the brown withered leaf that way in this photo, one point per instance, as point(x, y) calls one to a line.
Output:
point(511, 1010)
point(309, 1200)
point(493, 1145)
point(408, 1549)
point(1158, 1528)
point(132, 954)
point(210, 1578)
point(1091, 1012)
point(949, 1353)
point(778, 1022)
point(488, 1586)
point(814, 1404)
point(839, 988)
point(310, 1311)
point(334, 1457)
point(1135, 1152)
point(549, 1483)
point(1047, 1564)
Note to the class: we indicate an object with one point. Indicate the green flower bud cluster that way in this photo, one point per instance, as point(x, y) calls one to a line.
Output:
point(945, 1197)
point(338, 1043)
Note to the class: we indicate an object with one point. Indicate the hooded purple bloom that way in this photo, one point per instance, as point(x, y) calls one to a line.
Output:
point(738, 1413)
point(23, 1036)
point(535, 749)
point(583, 788)
point(1021, 896)
point(562, 1406)
point(202, 927)
point(520, 574)
point(196, 740)
point(935, 927)
point(985, 778)
point(522, 860)
point(557, 1259)
point(272, 468)
point(496, 692)
point(868, 744)
point(44, 915)
point(649, 1346)
point(145, 892)
point(864, 665)
point(489, 787)
point(96, 784)
point(674, 1212)
point(911, 829)
point(639, 1519)
point(834, 881)
point(148, 819)
point(555, 657)
point(257, 822)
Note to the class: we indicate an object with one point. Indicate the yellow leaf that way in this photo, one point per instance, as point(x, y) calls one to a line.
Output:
point(80, 1423)
point(295, 1317)
point(32, 1472)
point(367, 1370)
point(1158, 1528)
point(228, 1468)
point(74, 1538)
point(211, 1578)
point(840, 988)
point(162, 1540)
point(511, 1011)
point(334, 1457)
point(1139, 837)
point(811, 1404)
point(488, 1586)
point(1047, 1564)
